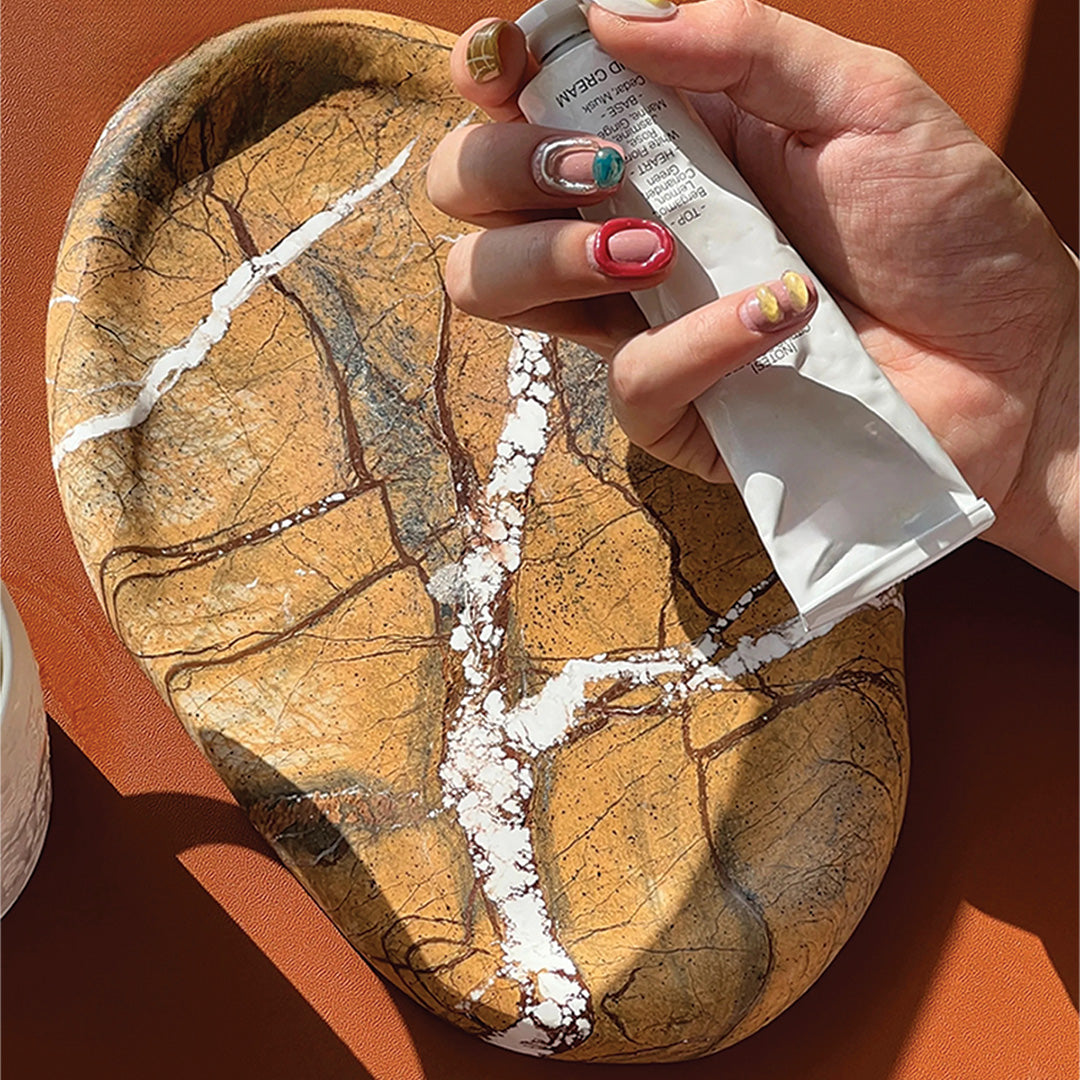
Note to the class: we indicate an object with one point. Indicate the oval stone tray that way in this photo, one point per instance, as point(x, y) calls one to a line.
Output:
point(526, 712)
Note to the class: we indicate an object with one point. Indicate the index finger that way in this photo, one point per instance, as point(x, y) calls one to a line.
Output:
point(489, 65)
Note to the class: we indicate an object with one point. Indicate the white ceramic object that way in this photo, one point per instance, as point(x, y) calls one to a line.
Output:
point(25, 783)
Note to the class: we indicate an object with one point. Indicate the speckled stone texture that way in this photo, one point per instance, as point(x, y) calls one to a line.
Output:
point(526, 712)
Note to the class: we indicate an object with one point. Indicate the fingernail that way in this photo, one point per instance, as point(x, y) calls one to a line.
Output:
point(638, 9)
point(631, 248)
point(797, 290)
point(482, 60)
point(577, 166)
point(779, 304)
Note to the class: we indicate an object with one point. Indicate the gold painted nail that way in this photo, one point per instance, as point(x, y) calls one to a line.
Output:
point(796, 290)
point(769, 304)
point(482, 59)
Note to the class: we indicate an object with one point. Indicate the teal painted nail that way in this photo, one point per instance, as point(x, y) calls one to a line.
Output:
point(608, 167)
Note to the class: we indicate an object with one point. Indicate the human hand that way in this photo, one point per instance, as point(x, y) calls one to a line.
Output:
point(951, 274)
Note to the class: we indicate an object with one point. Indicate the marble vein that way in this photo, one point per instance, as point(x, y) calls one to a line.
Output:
point(237, 288)
point(487, 787)
point(492, 748)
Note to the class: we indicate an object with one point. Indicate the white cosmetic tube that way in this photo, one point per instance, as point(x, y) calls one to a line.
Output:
point(848, 490)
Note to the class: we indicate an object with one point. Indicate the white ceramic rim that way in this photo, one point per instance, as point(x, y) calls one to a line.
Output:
point(7, 652)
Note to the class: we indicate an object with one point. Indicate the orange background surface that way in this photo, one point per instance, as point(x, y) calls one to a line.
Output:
point(159, 937)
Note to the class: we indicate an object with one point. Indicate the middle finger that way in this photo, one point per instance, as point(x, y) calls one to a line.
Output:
point(501, 174)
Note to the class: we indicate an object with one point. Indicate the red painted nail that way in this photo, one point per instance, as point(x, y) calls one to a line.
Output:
point(631, 248)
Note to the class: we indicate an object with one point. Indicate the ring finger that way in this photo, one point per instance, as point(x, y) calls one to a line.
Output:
point(502, 272)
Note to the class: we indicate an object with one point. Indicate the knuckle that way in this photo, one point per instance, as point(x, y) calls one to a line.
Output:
point(741, 21)
point(432, 184)
point(459, 278)
point(539, 255)
point(700, 334)
point(443, 167)
point(873, 65)
point(702, 341)
point(752, 12)
point(885, 90)
point(629, 384)
point(896, 64)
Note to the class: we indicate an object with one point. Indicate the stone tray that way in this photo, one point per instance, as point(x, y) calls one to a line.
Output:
point(525, 712)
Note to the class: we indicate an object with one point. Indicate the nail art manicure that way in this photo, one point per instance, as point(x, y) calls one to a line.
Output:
point(631, 248)
point(577, 166)
point(779, 304)
point(482, 60)
point(797, 290)
point(638, 9)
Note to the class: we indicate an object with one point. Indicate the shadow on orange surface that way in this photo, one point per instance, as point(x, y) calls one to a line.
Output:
point(1035, 833)
point(166, 983)
point(992, 648)
point(145, 974)
point(1041, 147)
point(991, 819)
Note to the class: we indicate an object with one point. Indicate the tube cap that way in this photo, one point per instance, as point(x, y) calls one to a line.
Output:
point(551, 22)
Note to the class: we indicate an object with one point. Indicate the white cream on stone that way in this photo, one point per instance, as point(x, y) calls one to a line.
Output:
point(482, 780)
point(487, 772)
point(305, 513)
point(237, 288)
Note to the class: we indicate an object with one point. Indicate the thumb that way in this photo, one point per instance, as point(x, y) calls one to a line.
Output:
point(780, 68)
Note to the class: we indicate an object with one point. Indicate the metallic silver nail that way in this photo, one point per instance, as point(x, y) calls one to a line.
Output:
point(546, 170)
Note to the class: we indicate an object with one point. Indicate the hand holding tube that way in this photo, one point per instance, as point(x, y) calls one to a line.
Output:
point(952, 275)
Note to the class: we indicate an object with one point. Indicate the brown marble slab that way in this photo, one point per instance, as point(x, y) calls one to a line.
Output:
point(526, 712)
